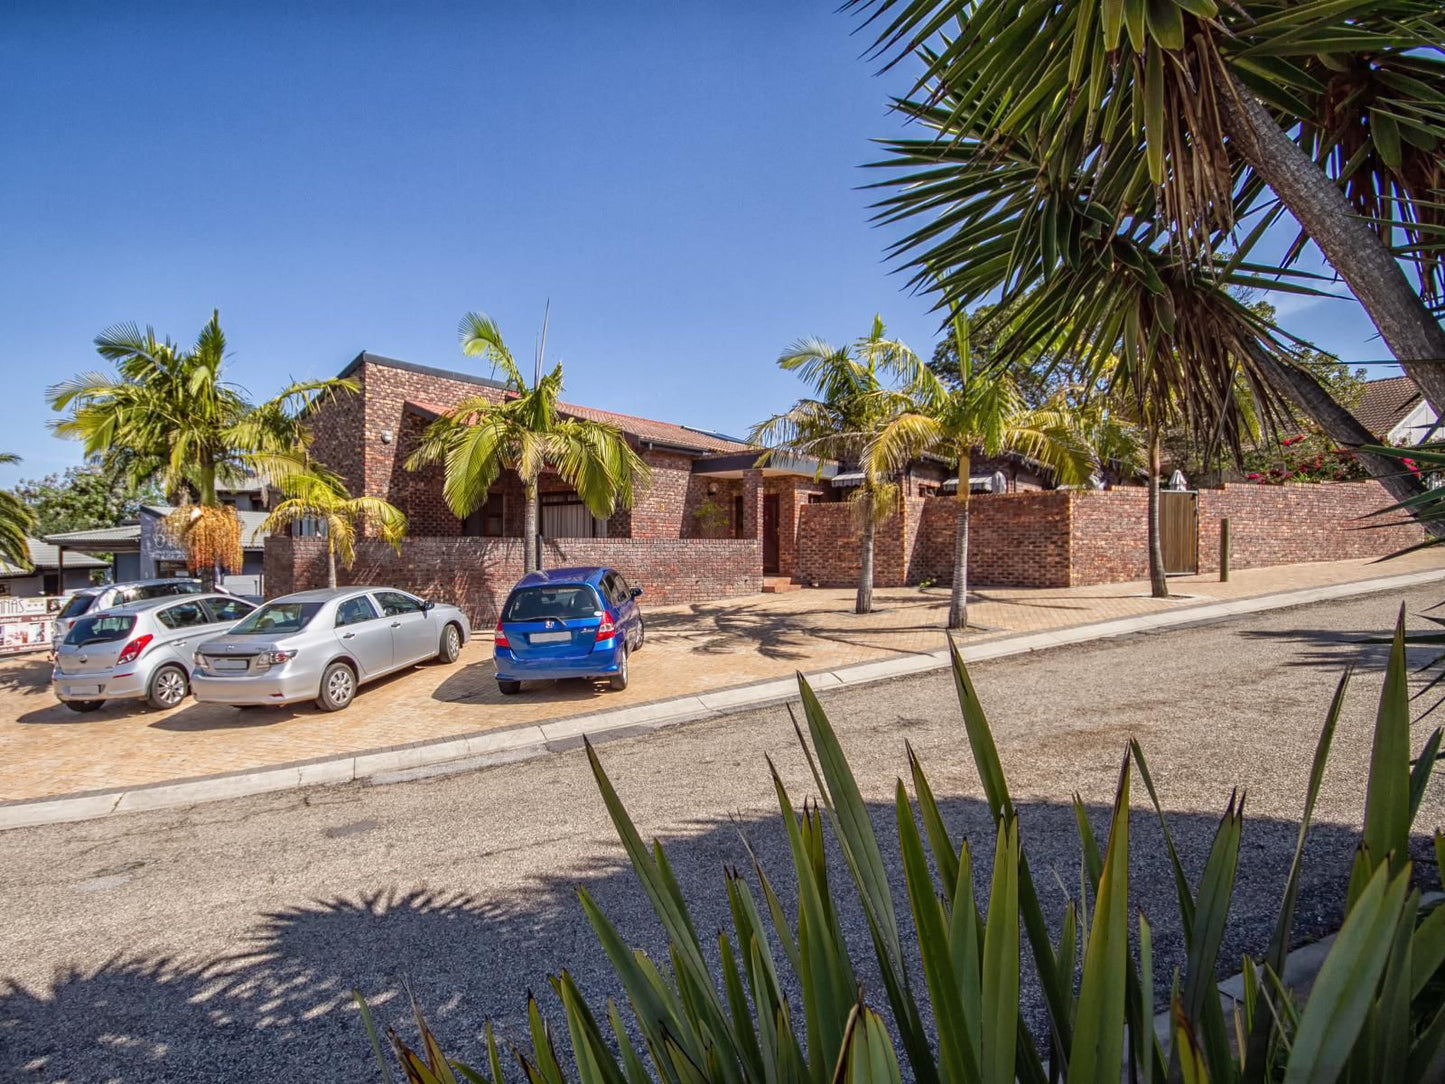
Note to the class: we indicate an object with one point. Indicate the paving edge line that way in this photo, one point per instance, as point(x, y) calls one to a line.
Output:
point(450, 755)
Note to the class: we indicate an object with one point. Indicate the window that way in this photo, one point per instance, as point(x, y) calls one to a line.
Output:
point(354, 611)
point(277, 617)
point(394, 603)
point(623, 591)
point(558, 603)
point(563, 515)
point(184, 616)
point(229, 609)
point(104, 629)
point(78, 604)
point(164, 590)
point(487, 521)
point(927, 491)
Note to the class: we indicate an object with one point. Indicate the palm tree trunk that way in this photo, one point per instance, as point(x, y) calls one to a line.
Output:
point(1158, 585)
point(330, 564)
point(531, 559)
point(1352, 248)
point(958, 602)
point(864, 603)
point(1301, 388)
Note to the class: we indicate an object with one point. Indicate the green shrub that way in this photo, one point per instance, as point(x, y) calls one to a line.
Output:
point(1375, 1011)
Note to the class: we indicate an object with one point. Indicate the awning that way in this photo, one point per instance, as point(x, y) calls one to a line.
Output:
point(981, 483)
point(851, 478)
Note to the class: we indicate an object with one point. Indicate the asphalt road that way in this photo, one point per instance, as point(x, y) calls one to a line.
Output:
point(220, 943)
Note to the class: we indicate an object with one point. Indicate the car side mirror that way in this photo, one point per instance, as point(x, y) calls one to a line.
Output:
point(636, 592)
point(427, 604)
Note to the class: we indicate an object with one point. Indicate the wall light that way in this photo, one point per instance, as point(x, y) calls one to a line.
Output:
point(386, 436)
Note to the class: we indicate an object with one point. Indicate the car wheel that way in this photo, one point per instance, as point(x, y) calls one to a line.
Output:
point(619, 679)
point(509, 688)
point(83, 705)
point(338, 687)
point(641, 633)
point(451, 645)
point(169, 686)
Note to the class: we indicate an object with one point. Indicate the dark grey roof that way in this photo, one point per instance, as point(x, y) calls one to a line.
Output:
point(44, 556)
point(1384, 404)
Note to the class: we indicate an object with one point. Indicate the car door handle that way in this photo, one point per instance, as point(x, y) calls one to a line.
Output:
point(396, 624)
point(348, 635)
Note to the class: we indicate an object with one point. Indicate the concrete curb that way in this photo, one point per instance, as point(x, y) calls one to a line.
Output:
point(466, 753)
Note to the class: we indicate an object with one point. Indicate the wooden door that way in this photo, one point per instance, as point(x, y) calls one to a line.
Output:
point(1179, 531)
point(770, 532)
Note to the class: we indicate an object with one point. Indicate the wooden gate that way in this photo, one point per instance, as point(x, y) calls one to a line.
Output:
point(1179, 531)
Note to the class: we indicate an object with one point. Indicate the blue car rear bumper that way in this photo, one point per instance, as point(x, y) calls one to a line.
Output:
point(602, 663)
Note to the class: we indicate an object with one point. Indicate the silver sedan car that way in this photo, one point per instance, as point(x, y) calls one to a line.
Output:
point(321, 645)
point(139, 650)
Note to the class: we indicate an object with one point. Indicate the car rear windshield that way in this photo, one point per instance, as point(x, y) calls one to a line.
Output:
point(78, 604)
point(555, 601)
point(277, 617)
point(101, 630)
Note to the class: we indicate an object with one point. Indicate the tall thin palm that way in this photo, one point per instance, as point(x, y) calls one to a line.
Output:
point(851, 406)
point(984, 414)
point(167, 414)
point(16, 523)
point(527, 433)
point(316, 496)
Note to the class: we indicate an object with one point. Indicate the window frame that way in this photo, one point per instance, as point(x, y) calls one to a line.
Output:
point(377, 597)
point(365, 600)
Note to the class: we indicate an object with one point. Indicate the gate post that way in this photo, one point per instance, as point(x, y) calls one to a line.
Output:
point(1224, 550)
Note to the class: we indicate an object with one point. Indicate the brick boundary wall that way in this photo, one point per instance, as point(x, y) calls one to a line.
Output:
point(1076, 538)
point(477, 573)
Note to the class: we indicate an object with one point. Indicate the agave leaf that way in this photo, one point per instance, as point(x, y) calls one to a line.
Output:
point(1181, 882)
point(1387, 795)
point(1424, 765)
point(741, 1014)
point(1389, 1054)
point(544, 1054)
point(1193, 1068)
point(958, 1058)
point(494, 1056)
point(965, 946)
point(1427, 952)
point(1216, 888)
point(854, 828)
point(1001, 960)
point(1345, 988)
point(1093, 860)
point(1427, 1054)
point(594, 1059)
point(371, 1034)
point(945, 856)
point(1097, 1053)
point(1141, 1023)
point(990, 771)
point(867, 1056)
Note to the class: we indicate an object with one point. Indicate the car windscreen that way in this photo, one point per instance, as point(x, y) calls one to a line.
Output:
point(78, 604)
point(277, 617)
point(102, 629)
point(556, 602)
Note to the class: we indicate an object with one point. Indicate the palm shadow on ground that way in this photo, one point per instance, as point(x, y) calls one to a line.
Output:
point(280, 1004)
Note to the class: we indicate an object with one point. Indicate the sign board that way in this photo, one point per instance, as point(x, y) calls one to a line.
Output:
point(25, 623)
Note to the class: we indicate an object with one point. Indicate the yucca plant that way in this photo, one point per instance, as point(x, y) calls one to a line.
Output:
point(1375, 1010)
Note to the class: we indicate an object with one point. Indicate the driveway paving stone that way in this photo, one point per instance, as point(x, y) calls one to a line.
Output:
point(47, 751)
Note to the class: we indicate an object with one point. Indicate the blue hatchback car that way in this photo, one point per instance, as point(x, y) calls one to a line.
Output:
point(568, 623)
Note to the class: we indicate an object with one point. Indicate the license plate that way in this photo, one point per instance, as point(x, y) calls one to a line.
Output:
point(82, 690)
point(228, 664)
point(550, 637)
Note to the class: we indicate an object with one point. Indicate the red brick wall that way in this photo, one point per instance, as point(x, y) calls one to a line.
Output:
point(1060, 539)
point(659, 510)
point(338, 435)
point(476, 573)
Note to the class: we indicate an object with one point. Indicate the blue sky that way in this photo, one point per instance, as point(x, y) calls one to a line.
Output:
point(680, 181)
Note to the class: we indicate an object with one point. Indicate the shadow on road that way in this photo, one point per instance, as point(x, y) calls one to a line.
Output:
point(280, 1005)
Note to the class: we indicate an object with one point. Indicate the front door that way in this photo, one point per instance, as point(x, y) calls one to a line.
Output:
point(770, 532)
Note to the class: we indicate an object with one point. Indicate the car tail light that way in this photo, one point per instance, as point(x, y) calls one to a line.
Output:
point(132, 650)
point(276, 658)
point(608, 628)
point(500, 637)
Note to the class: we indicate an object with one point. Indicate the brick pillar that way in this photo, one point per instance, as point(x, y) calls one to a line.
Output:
point(753, 503)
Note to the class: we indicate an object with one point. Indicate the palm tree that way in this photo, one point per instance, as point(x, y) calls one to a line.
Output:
point(984, 413)
point(525, 432)
point(16, 523)
point(850, 409)
point(1185, 115)
point(315, 495)
point(167, 414)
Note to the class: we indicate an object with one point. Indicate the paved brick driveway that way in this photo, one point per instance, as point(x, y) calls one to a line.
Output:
point(47, 750)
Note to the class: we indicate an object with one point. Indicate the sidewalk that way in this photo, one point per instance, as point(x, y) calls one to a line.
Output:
point(699, 660)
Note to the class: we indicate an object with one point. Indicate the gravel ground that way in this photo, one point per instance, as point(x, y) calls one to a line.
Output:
point(221, 942)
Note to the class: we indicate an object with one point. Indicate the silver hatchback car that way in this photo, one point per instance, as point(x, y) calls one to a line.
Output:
point(321, 645)
point(139, 650)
